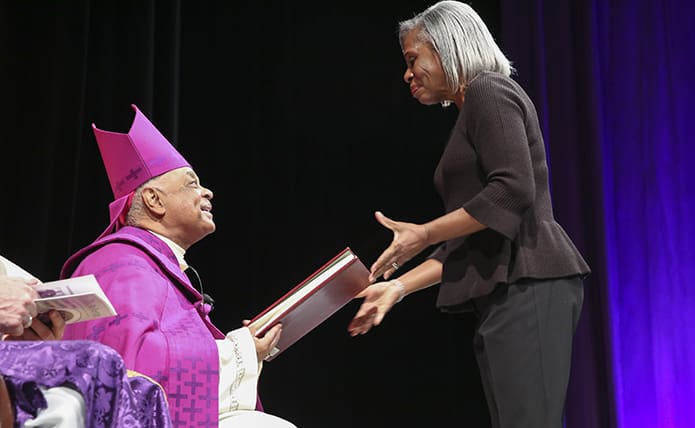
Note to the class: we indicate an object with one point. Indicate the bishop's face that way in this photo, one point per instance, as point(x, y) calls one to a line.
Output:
point(188, 207)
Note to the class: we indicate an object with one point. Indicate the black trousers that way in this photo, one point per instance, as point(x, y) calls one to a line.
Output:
point(523, 345)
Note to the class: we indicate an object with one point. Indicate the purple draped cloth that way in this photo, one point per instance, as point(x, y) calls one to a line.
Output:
point(112, 399)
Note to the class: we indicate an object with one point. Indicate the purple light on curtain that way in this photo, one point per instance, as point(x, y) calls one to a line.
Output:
point(645, 54)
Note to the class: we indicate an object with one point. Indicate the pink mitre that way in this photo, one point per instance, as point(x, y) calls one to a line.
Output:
point(131, 160)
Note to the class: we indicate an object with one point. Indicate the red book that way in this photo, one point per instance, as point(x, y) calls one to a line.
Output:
point(313, 300)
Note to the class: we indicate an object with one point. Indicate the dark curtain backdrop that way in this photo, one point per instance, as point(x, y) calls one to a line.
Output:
point(296, 116)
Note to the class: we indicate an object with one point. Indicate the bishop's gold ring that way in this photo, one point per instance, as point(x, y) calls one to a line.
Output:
point(395, 265)
point(28, 323)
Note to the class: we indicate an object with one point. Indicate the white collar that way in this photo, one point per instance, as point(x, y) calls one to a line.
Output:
point(175, 248)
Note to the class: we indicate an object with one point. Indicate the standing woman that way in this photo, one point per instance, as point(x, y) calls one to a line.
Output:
point(501, 253)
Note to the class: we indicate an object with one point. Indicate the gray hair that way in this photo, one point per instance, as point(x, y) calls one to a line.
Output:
point(460, 38)
point(137, 209)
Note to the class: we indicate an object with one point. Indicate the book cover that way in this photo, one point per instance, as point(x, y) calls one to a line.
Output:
point(77, 299)
point(313, 300)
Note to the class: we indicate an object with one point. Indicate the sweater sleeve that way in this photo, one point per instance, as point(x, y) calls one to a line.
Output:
point(495, 123)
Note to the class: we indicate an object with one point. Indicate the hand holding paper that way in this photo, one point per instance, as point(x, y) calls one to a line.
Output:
point(17, 307)
point(46, 326)
point(76, 299)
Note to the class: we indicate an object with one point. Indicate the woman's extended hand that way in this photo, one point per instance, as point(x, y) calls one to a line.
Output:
point(379, 298)
point(408, 240)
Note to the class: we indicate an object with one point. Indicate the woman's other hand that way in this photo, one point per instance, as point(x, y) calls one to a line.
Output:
point(379, 298)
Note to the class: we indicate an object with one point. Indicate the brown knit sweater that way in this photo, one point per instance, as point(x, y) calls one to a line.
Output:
point(494, 166)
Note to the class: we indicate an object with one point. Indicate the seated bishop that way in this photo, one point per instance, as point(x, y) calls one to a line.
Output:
point(163, 329)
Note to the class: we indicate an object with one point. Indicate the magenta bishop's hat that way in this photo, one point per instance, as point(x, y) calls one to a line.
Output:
point(132, 159)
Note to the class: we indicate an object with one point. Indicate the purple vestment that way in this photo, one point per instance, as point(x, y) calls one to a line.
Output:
point(112, 399)
point(162, 329)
